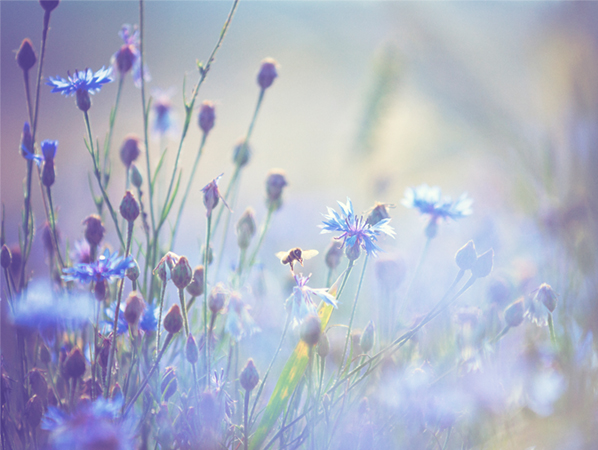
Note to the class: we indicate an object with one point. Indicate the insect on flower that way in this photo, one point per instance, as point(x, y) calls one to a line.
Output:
point(295, 255)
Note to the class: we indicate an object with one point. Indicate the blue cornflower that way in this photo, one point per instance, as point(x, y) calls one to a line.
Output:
point(48, 152)
point(356, 232)
point(123, 325)
point(301, 299)
point(92, 425)
point(84, 80)
point(105, 268)
point(239, 323)
point(149, 321)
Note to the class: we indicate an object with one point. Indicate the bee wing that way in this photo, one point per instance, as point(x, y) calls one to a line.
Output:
point(281, 255)
point(307, 254)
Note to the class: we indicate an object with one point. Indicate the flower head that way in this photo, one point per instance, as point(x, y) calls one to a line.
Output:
point(541, 305)
point(128, 56)
point(149, 321)
point(211, 195)
point(429, 201)
point(105, 268)
point(122, 326)
point(301, 299)
point(239, 322)
point(84, 80)
point(164, 121)
point(356, 232)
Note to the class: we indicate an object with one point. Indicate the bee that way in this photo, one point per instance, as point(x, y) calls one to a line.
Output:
point(295, 254)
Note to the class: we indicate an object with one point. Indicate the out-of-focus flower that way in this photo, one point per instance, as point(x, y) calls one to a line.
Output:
point(311, 328)
point(106, 268)
point(302, 303)
point(249, 377)
point(429, 201)
point(81, 252)
point(122, 326)
point(149, 321)
point(211, 195)
point(239, 323)
point(267, 73)
point(128, 56)
point(130, 149)
point(163, 116)
point(207, 116)
point(275, 183)
point(356, 233)
point(26, 146)
point(94, 229)
point(93, 425)
point(541, 305)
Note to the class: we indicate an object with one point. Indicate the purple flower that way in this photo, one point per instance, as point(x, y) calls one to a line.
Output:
point(123, 325)
point(355, 231)
point(128, 57)
point(105, 268)
point(429, 201)
point(302, 298)
point(84, 80)
point(163, 121)
point(48, 152)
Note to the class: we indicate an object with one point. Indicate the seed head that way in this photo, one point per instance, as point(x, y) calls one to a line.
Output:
point(136, 177)
point(173, 321)
point(275, 183)
point(249, 377)
point(195, 288)
point(514, 313)
point(94, 230)
point(206, 116)
point(74, 366)
point(129, 207)
point(483, 265)
point(26, 58)
point(246, 228)
point(310, 330)
point(191, 351)
point(134, 308)
point(130, 149)
point(182, 274)
point(267, 73)
point(466, 257)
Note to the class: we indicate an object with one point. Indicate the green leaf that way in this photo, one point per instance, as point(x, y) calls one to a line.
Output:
point(158, 167)
point(171, 201)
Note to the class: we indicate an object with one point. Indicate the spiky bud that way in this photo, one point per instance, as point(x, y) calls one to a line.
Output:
point(267, 73)
point(241, 153)
point(182, 274)
point(136, 177)
point(378, 213)
point(26, 58)
point(310, 330)
point(83, 99)
point(367, 337)
point(34, 410)
point(130, 149)
point(217, 298)
point(191, 350)
point(195, 288)
point(514, 313)
point(49, 5)
point(207, 116)
point(249, 377)
point(94, 230)
point(173, 321)
point(334, 254)
point(129, 207)
point(246, 228)
point(275, 183)
point(133, 272)
point(169, 383)
point(5, 257)
point(483, 264)
point(74, 366)
point(38, 383)
point(547, 296)
point(323, 345)
point(134, 308)
point(466, 256)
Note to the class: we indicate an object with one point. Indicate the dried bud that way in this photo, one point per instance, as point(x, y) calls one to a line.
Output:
point(5, 257)
point(48, 173)
point(169, 383)
point(246, 228)
point(191, 350)
point(207, 116)
point(74, 366)
point(44, 354)
point(466, 257)
point(136, 177)
point(249, 377)
point(38, 383)
point(195, 288)
point(129, 207)
point(173, 321)
point(241, 153)
point(334, 254)
point(26, 58)
point(182, 274)
point(378, 213)
point(49, 5)
point(133, 272)
point(164, 268)
point(130, 149)
point(275, 183)
point(547, 296)
point(267, 73)
point(367, 337)
point(310, 330)
point(34, 410)
point(514, 313)
point(217, 298)
point(94, 230)
point(323, 345)
point(101, 290)
point(83, 99)
point(125, 58)
point(483, 265)
point(134, 308)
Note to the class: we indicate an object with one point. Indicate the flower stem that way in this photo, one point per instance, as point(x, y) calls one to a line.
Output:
point(53, 225)
point(205, 298)
point(160, 316)
point(551, 328)
point(184, 310)
point(245, 420)
point(108, 141)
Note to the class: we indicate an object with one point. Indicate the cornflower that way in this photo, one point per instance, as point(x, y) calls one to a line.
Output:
point(84, 80)
point(128, 57)
point(301, 299)
point(356, 232)
point(105, 268)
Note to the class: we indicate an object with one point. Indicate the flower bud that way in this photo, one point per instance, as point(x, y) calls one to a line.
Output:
point(49, 149)
point(217, 298)
point(514, 313)
point(38, 383)
point(129, 207)
point(275, 183)
point(191, 350)
point(74, 366)
point(241, 153)
point(130, 149)
point(133, 272)
point(83, 99)
point(5, 257)
point(182, 274)
point(136, 177)
point(16, 260)
point(367, 337)
point(125, 58)
point(94, 230)
point(547, 296)
point(173, 321)
point(116, 393)
point(169, 383)
point(353, 251)
point(355, 340)
point(134, 308)
point(207, 116)
point(48, 173)
point(249, 377)
point(310, 330)
point(378, 213)
point(104, 353)
point(246, 228)
point(210, 254)
point(49, 5)
point(334, 254)
point(466, 257)
point(323, 345)
point(267, 73)
point(195, 288)
point(164, 268)
point(26, 58)
point(34, 410)
point(483, 265)
point(100, 290)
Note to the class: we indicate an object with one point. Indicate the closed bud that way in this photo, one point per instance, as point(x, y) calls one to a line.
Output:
point(134, 308)
point(49, 5)
point(34, 410)
point(94, 230)
point(323, 345)
point(378, 213)
point(275, 183)
point(164, 268)
point(310, 330)
point(182, 274)
point(74, 366)
point(38, 383)
point(207, 116)
point(483, 265)
point(48, 173)
point(133, 272)
point(5, 257)
point(100, 290)
point(83, 99)
point(246, 228)
point(267, 73)
point(169, 383)
point(547, 296)
point(353, 251)
point(217, 298)
point(116, 393)
point(26, 58)
point(125, 58)
point(334, 254)
point(466, 257)
point(191, 350)
point(129, 207)
point(173, 321)
point(136, 177)
point(514, 313)
point(130, 149)
point(355, 340)
point(104, 353)
point(210, 254)
point(367, 337)
point(249, 377)
point(241, 153)
point(195, 288)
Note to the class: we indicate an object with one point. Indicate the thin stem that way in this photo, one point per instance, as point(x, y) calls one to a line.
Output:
point(108, 141)
point(551, 328)
point(184, 309)
point(28, 96)
point(205, 298)
point(160, 316)
point(261, 238)
point(245, 420)
point(416, 272)
point(53, 225)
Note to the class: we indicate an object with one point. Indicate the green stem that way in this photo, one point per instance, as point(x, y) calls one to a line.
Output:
point(184, 310)
point(108, 141)
point(261, 238)
point(53, 225)
point(205, 299)
point(160, 314)
point(245, 420)
point(551, 328)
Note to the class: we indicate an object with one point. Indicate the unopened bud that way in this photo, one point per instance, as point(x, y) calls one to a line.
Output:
point(26, 58)
point(134, 308)
point(217, 298)
point(49, 5)
point(267, 73)
point(125, 58)
point(275, 183)
point(334, 254)
point(94, 230)
point(241, 153)
point(483, 265)
point(353, 251)
point(246, 228)
point(323, 345)
point(547, 296)
point(367, 337)
point(210, 254)
point(195, 288)
point(116, 393)
point(466, 257)
point(378, 213)
point(34, 410)
point(74, 366)
point(130, 149)
point(100, 290)
point(26, 140)
point(48, 173)
point(129, 207)
point(514, 313)
point(133, 272)
point(310, 330)
point(38, 383)
point(191, 350)
point(173, 321)
point(249, 377)
point(5, 257)
point(207, 116)
point(83, 99)
point(164, 268)
point(169, 383)
point(182, 274)
point(136, 177)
